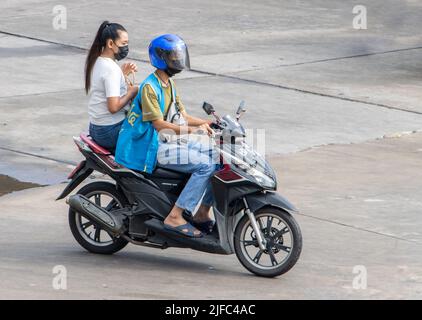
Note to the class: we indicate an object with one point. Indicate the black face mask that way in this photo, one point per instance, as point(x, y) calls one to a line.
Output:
point(171, 72)
point(122, 53)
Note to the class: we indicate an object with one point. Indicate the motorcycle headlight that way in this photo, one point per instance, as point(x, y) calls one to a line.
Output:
point(264, 180)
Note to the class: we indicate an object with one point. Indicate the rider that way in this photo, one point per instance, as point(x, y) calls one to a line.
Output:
point(157, 109)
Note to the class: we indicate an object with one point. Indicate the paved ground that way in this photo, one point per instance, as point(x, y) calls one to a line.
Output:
point(340, 108)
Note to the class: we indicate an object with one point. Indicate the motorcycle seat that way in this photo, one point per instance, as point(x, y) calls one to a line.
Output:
point(159, 172)
point(164, 173)
point(93, 145)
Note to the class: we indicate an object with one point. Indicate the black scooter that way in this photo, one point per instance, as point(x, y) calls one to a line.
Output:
point(252, 220)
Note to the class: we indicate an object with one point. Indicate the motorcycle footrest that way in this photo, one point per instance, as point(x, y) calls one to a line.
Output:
point(208, 243)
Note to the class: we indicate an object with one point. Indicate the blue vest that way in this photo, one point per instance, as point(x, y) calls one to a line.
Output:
point(137, 145)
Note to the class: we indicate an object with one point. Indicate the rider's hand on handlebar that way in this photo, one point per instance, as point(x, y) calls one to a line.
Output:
point(203, 128)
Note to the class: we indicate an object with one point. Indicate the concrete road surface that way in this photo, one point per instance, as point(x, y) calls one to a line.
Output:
point(342, 114)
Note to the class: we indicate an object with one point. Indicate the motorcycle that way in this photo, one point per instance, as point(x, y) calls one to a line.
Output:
point(252, 220)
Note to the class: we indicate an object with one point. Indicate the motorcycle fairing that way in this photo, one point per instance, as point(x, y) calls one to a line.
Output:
point(259, 200)
point(225, 193)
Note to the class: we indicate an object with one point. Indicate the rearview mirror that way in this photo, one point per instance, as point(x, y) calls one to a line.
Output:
point(209, 109)
point(241, 108)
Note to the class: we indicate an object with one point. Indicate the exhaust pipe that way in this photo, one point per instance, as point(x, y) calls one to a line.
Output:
point(109, 222)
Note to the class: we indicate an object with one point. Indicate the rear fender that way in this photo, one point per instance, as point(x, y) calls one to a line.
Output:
point(81, 172)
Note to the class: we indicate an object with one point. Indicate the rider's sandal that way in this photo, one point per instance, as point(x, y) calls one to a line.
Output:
point(206, 227)
point(185, 229)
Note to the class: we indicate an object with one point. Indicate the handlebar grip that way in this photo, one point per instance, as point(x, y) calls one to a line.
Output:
point(214, 125)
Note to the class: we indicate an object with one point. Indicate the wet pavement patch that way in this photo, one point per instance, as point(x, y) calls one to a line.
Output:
point(9, 184)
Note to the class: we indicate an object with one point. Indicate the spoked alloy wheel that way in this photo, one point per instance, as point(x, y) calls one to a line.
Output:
point(283, 243)
point(89, 234)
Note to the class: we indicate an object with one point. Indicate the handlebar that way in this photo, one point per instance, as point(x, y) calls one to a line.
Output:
point(215, 126)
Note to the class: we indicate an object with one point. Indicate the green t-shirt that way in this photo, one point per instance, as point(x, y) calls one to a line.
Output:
point(151, 106)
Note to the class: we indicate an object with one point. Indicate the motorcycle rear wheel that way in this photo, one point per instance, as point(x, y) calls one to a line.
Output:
point(284, 242)
point(83, 228)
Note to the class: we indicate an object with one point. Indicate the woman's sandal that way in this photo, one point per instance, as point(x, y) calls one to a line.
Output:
point(185, 229)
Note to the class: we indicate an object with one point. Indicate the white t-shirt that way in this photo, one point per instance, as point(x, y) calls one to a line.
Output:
point(107, 80)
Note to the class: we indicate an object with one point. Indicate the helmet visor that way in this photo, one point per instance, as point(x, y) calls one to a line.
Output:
point(177, 58)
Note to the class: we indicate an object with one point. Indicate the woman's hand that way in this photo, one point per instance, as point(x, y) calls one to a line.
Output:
point(128, 68)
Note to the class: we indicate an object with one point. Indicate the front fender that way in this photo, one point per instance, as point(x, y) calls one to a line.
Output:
point(257, 201)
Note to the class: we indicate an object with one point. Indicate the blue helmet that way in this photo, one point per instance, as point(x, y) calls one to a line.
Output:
point(169, 52)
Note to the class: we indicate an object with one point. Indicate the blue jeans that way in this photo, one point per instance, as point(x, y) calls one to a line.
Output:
point(192, 158)
point(105, 136)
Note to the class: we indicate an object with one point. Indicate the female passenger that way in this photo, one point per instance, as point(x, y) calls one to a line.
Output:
point(106, 84)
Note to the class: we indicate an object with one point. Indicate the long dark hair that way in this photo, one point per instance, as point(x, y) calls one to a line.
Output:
point(106, 31)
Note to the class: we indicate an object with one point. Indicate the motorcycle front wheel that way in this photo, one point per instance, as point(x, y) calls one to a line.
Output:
point(283, 242)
